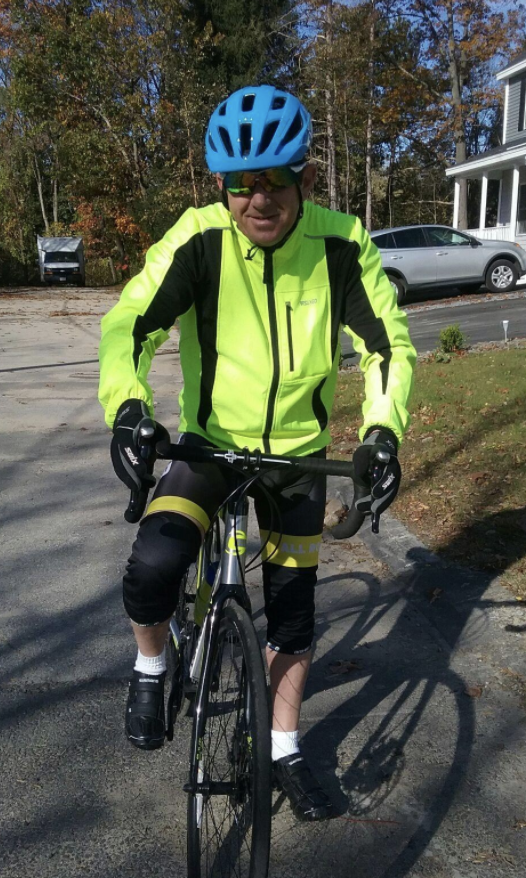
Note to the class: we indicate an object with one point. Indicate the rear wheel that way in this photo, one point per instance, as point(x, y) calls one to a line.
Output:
point(182, 637)
point(501, 276)
point(399, 288)
point(230, 793)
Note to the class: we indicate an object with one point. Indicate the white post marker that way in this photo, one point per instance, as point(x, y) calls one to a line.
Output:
point(505, 324)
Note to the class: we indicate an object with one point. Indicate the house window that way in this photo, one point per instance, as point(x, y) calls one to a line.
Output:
point(522, 104)
point(521, 211)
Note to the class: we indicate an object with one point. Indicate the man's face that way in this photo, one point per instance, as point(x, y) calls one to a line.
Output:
point(266, 217)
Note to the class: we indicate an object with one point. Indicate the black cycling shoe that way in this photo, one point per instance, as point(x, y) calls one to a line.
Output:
point(145, 711)
point(293, 776)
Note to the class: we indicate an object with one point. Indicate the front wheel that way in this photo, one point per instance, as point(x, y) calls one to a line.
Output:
point(229, 801)
point(501, 276)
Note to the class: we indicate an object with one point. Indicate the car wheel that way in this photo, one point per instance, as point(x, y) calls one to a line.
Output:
point(398, 287)
point(501, 276)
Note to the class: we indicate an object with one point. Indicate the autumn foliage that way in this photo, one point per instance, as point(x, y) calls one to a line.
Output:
point(103, 108)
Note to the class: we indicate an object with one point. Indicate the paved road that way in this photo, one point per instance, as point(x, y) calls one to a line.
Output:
point(480, 319)
point(420, 739)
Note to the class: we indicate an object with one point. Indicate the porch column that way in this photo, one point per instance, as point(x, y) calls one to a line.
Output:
point(456, 204)
point(483, 201)
point(514, 203)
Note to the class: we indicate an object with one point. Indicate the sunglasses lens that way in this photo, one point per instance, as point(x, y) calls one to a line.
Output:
point(280, 178)
point(244, 182)
point(239, 182)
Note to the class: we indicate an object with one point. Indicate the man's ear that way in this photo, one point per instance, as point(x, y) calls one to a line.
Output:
point(219, 181)
point(308, 179)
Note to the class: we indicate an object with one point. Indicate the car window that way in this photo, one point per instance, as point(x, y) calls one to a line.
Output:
point(446, 237)
point(413, 237)
point(384, 242)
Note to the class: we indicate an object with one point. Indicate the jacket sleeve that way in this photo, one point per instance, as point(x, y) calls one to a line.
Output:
point(141, 320)
point(380, 334)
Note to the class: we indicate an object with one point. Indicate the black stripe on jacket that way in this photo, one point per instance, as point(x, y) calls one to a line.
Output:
point(350, 304)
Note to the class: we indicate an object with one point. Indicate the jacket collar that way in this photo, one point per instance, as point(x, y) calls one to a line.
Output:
point(284, 249)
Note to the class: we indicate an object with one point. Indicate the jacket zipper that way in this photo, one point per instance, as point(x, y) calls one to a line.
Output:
point(268, 280)
point(289, 335)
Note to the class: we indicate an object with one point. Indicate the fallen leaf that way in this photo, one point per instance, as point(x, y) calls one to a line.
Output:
point(434, 594)
point(479, 477)
point(484, 856)
point(474, 691)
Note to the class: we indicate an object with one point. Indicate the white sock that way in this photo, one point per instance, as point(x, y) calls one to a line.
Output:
point(284, 744)
point(153, 665)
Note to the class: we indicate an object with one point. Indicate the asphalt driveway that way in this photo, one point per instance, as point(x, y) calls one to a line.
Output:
point(415, 710)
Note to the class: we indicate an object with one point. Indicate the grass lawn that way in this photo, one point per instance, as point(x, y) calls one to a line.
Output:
point(463, 459)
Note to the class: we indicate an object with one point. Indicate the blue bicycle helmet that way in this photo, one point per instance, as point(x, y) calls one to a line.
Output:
point(256, 128)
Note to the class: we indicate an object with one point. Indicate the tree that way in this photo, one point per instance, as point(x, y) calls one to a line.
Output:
point(460, 42)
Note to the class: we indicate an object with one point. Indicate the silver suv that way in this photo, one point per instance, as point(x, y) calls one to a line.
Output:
point(427, 257)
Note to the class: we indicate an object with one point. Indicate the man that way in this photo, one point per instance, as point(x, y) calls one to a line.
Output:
point(261, 284)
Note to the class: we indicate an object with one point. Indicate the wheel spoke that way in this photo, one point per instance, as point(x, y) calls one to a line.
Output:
point(228, 841)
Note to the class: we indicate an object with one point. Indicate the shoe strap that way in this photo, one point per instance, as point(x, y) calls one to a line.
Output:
point(299, 773)
point(147, 695)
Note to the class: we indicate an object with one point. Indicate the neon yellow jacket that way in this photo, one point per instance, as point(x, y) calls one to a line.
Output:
point(259, 330)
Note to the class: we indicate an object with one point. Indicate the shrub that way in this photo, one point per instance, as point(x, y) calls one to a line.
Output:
point(98, 272)
point(451, 339)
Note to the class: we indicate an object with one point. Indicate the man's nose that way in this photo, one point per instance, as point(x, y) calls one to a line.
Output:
point(260, 197)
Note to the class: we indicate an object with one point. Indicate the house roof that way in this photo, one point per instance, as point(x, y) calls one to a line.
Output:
point(497, 150)
point(513, 66)
point(499, 156)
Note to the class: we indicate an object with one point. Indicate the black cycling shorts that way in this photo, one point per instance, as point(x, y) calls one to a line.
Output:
point(170, 534)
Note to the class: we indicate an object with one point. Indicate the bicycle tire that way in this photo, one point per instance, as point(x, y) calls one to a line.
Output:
point(231, 747)
point(178, 655)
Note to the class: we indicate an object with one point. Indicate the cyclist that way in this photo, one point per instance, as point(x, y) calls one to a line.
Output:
point(261, 284)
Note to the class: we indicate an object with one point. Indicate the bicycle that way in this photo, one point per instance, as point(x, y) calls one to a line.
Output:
point(216, 664)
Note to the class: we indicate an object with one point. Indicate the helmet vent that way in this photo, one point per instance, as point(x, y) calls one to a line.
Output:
point(268, 134)
point(211, 143)
point(293, 131)
point(247, 103)
point(278, 103)
point(245, 138)
point(227, 143)
point(222, 110)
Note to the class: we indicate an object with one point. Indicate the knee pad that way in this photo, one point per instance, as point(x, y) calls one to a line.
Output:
point(289, 607)
point(165, 547)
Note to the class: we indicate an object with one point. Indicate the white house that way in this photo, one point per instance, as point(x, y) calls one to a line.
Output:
point(502, 171)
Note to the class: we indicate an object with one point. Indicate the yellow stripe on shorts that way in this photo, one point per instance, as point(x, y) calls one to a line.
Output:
point(185, 507)
point(291, 551)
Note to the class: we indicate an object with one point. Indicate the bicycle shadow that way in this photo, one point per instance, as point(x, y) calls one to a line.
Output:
point(382, 676)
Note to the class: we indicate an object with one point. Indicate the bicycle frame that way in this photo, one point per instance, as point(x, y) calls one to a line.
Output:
point(229, 578)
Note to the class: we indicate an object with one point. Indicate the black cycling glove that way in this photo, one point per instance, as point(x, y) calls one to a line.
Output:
point(129, 465)
point(378, 482)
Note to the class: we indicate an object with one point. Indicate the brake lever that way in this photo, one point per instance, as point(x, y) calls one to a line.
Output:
point(382, 457)
point(147, 434)
point(138, 499)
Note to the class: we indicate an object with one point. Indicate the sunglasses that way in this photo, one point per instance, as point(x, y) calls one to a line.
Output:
point(273, 180)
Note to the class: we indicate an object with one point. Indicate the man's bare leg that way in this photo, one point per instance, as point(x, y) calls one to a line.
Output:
point(288, 675)
point(151, 639)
